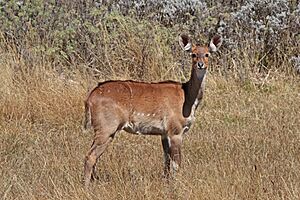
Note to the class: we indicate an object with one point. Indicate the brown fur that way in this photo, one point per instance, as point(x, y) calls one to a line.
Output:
point(164, 108)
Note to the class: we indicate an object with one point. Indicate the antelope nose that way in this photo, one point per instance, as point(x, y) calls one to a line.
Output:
point(200, 65)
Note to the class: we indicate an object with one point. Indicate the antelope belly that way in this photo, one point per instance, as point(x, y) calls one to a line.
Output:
point(149, 127)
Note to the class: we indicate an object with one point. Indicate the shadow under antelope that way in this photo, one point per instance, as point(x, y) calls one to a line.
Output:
point(164, 108)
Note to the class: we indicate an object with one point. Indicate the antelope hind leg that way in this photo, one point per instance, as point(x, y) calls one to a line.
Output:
point(97, 149)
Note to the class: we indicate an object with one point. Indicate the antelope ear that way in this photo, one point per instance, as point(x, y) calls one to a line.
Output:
point(215, 43)
point(185, 42)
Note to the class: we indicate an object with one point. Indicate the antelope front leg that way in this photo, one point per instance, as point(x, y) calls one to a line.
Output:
point(175, 152)
point(165, 140)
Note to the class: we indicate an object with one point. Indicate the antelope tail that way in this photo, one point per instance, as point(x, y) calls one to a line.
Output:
point(87, 117)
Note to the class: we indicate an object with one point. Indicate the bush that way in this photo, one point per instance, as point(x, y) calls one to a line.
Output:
point(109, 38)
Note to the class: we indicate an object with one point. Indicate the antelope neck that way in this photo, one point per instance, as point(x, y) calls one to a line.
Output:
point(193, 90)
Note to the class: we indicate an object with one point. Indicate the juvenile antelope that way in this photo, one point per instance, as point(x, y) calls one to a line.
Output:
point(164, 108)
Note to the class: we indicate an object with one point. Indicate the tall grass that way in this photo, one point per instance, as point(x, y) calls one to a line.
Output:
point(244, 145)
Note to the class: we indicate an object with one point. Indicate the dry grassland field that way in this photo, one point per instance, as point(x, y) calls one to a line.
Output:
point(244, 144)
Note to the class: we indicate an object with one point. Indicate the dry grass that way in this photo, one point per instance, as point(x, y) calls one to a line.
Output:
point(244, 145)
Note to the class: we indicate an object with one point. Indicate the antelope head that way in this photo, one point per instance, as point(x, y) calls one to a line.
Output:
point(200, 54)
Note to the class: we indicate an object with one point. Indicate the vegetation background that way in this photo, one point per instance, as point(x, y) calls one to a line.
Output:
point(245, 143)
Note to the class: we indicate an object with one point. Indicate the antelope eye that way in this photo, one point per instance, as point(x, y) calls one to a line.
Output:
point(194, 55)
point(207, 55)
